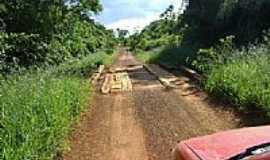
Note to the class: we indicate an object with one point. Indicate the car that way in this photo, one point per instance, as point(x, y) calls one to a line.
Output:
point(242, 144)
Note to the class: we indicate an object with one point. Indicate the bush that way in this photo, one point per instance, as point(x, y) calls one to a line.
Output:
point(148, 44)
point(206, 59)
point(20, 49)
point(57, 51)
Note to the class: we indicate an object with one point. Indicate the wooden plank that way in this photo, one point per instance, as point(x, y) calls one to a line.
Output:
point(101, 68)
point(96, 76)
point(193, 74)
point(106, 87)
point(162, 75)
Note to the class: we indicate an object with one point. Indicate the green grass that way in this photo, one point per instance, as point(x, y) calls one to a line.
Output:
point(147, 56)
point(86, 65)
point(38, 108)
point(245, 81)
point(36, 114)
point(171, 57)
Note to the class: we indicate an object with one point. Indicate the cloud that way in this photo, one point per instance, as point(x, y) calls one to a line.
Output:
point(133, 24)
point(132, 14)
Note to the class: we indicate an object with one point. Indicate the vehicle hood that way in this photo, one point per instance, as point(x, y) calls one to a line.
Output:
point(225, 145)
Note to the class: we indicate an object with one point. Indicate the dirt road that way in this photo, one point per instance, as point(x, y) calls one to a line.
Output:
point(145, 123)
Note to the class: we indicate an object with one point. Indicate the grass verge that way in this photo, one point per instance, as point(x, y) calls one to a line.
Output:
point(38, 108)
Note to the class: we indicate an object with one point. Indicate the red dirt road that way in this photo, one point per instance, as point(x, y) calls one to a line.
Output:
point(146, 123)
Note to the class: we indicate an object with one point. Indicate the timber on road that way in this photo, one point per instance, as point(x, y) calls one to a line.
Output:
point(139, 118)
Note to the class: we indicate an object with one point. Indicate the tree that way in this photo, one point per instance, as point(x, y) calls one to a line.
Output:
point(43, 17)
point(51, 31)
point(246, 19)
point(122, 35)
point(168, 14)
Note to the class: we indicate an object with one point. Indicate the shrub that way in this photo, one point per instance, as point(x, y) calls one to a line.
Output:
point(20, 49)
point(206, 59)
point(57, 51)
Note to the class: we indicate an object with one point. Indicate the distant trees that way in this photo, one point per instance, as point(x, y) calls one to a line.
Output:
point(122, 32)
point(159, 33)
point(169, 13)
point(122, 35)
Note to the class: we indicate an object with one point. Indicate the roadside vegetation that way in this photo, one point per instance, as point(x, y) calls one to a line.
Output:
point(243, 78)
point(227, 41)
point(48, 50)
point(39, 107)
point(37, 111)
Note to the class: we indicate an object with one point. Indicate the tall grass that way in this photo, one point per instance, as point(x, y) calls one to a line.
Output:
point(38, 108)
point(245, 81)
point(36, 114)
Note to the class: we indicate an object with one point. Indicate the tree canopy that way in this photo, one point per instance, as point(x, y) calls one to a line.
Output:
point(50, 31)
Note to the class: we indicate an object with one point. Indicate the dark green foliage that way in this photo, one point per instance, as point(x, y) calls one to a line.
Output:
point(45, 17)
point(206, 59)
point(49, 32)
point(174, 57)
point(21, 50)
point(215, 19)
point(157, 34)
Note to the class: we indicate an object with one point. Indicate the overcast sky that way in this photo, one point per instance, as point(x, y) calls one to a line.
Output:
point(132, 14)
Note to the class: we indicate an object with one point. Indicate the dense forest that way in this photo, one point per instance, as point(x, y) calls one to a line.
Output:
point(225, 40)
point(48, 49)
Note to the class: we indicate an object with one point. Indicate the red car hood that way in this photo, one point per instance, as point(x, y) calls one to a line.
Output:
point(225, 145)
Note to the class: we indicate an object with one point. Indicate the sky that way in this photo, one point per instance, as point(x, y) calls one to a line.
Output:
point(132, 14)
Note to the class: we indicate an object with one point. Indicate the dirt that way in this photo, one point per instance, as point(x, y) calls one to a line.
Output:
point(146, 123)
